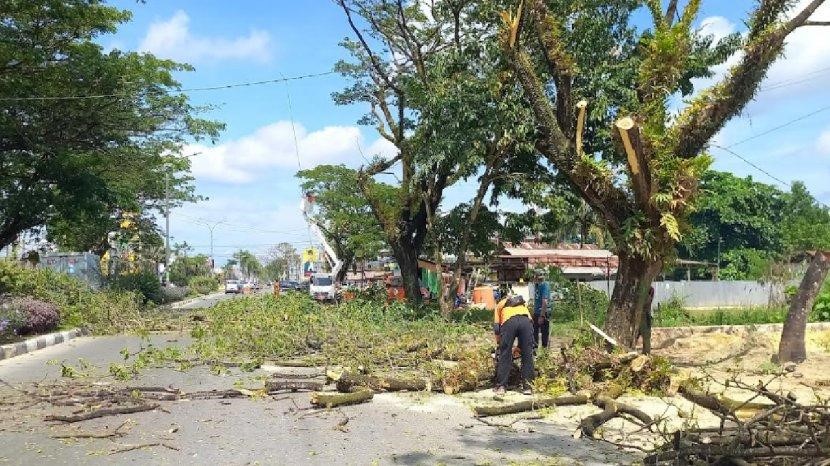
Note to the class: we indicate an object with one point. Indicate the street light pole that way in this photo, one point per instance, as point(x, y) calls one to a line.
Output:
point(211, 227)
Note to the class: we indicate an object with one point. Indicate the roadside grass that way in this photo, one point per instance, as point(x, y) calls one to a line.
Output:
point(672, 316)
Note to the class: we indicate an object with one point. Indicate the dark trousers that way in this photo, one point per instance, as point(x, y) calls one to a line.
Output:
point(544, 329)
point(516, 327)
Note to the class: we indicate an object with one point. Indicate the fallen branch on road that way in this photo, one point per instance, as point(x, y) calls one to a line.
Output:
point(102, 412)
point(610, 410)
point(117, 432)
point(332, 399)
point(276, 386)
point(528, 405)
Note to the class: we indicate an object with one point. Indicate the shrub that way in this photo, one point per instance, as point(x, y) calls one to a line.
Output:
point(106, 311)
point(144, 283)
point(203, 284)
point(574, 299)
point(11, 320)
point(39, 316)
point(171, 294)
point(821, 308)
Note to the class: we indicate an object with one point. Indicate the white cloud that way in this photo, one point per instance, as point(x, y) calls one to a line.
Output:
point(802, 68)
point(272, 147)
point(823, 142)
point(807, 50)
point(717, 26)
point(173, 39)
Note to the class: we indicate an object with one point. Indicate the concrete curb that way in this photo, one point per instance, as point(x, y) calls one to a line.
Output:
point(187, 301)
point(32, 344)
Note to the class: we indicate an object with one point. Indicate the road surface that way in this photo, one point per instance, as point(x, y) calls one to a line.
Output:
point(211, 300)
point(393, 429)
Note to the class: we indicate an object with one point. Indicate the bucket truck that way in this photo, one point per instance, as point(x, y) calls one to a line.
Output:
point(322, 286)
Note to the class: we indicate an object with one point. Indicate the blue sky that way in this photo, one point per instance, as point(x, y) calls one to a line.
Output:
point(249, 174)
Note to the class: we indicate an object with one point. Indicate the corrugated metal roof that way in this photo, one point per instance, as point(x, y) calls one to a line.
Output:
point(593, 253)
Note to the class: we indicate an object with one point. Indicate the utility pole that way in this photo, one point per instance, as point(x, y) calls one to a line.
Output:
point(167, 229)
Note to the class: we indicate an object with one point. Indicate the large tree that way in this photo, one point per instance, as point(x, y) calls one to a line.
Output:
point(632, 161)
point(280, 260)
point(84, 133)
point(435, 84)
point(342, 214)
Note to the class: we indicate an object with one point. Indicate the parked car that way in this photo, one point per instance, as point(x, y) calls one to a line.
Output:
point(289, 285)
point(233, 286)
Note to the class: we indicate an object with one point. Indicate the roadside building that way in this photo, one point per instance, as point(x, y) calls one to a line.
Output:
point(577, 262)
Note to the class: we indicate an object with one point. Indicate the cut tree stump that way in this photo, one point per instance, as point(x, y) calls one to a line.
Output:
point(333, 399)
point(527, 405)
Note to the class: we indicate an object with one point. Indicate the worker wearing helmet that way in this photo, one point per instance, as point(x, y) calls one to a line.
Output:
point(512, 321)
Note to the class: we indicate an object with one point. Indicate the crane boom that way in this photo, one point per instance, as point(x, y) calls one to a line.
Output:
point(306, 206)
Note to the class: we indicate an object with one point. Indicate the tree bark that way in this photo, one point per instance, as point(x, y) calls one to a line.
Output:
point(792, 347)
point(407, 258)
point(634, 277)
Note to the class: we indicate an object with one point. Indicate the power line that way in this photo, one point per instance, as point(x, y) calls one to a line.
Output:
point(786, 184)
point(753, 165)
point(783, 125)
point(791, 82)
point(177, 91)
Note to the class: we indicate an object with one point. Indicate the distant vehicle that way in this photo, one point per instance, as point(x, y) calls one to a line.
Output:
point(233, 286)
point(322, 287)
point(289, 285)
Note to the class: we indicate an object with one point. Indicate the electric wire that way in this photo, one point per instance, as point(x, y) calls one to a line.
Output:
point(282, 79)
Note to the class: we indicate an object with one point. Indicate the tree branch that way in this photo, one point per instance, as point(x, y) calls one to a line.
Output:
point(560, 64)
point(372, 57)
point(671, 12)
point(708, 113)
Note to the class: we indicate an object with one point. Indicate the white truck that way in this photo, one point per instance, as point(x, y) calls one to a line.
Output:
point(322, 286)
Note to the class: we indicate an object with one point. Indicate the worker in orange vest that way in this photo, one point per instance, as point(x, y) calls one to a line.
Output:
point(512, 321)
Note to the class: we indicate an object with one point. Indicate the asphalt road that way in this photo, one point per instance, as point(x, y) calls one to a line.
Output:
point(392, 429)
point(211, 300)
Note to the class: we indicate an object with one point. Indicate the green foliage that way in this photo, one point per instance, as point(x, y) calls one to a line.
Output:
point(249, 265)
point(11, 320)
point(103, 312)
point(151, 356)
point(204, 284)
point(574, 299)
point(183, 269)
point(146, 284)
point(110, 154)
point(448, 231)
point(674, 316)
point(342, 212)
point(354, 334)
point(279, 260)
point(821, 307)
point(756, 224)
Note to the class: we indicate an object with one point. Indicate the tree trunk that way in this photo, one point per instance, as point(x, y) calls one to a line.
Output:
point(407, 259)
point(792, 348)
point(625, 311)
point(347, 259)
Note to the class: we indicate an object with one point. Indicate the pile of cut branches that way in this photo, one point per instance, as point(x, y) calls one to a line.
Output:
point(768, 428)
